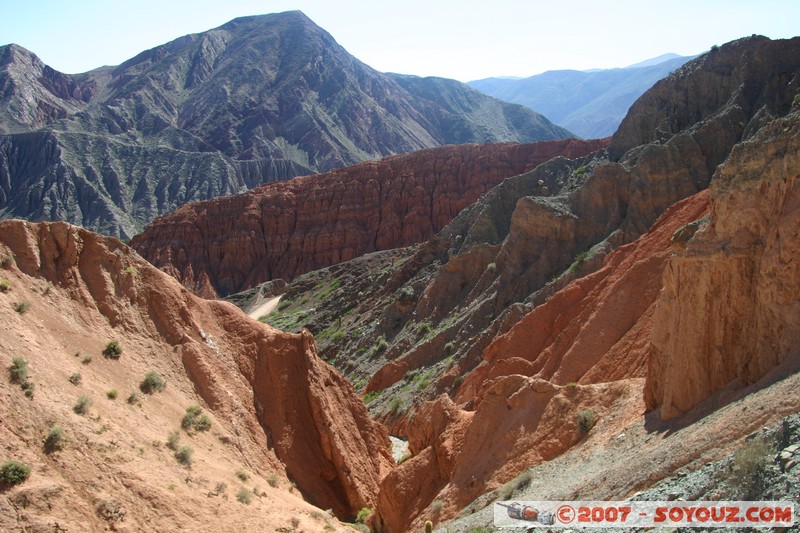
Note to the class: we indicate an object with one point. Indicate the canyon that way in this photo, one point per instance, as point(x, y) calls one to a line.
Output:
point(567, 319)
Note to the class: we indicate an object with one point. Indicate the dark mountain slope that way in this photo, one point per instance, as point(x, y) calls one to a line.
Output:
point(258, 99)
point(590, 103)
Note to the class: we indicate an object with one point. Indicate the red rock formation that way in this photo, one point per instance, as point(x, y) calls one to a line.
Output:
point(282, 230)
point(598, 327)
point(730, 307)
point(287, 408)
point(582, 348)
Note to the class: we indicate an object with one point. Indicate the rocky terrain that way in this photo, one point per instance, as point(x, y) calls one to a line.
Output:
point(601, 296)
point(590, 103)
point(105, 432)
point(282, 230)
point(258, 99)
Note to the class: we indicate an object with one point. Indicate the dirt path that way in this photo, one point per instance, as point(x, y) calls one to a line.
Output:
point(264, 308)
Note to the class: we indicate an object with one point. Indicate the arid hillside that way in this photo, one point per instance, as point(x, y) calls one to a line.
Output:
point(201, 419)
point(609, 295)
point(283, 230)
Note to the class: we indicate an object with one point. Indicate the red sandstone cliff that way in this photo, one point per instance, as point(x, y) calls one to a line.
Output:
point(277, 406)
point(730, 308)
point(586, 347)
point(282, 230)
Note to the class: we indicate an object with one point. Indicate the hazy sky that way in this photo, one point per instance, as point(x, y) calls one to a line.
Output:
point(464, 39)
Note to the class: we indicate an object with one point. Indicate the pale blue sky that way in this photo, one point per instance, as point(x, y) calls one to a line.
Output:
point(464, 39)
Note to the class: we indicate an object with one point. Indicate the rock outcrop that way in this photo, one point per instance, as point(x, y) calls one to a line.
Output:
point(729, 309)
point(285, 229)
point(258, 99)
point(287, 411)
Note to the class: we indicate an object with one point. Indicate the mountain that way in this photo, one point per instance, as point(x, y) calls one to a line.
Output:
point(258, 99)
point(590, 103)
point(283, 230)
point(269, 417)
point(535, 314)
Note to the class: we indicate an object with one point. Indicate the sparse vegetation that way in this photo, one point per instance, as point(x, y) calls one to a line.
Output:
point(243, 476)
point(75, 378)
point(152, 383)
point(436, 506)
point(13, 472)
point(172, 440)
point(273, 480)
point(395, 405)
point(370, 396)
point(518, 483)
point(113, 350)
point(18, 371)
point(194, 420)
point(5, 285)
point(133, 399)
point(82, 405)
point(112, 394)
point(6, 261)
point(21, 307)
point(184, 455)
point(381, 346)
point(55, 440)
point(424, 327)
point(585, 420)
point(581, 170)
point(243, 495)
point(363, 515)
point(130, 271)
point(796, 100)
point(748, 470)
point(27, 388)
point(87, 358)
point(491, 267)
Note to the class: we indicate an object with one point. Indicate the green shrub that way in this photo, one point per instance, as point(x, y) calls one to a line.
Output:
point(194, 420)
point(243, 476)
point(796, 100)
point(87, 358)
point(82, 405)
point(370, 396)
point(27, 388)
point(172, 440)
point(18, 371)
point(21, 307)
point(491, 267)
point(133, 398)
point(75, 378)
point(112, 394)
point(184, 455)
point(381, 346)
point(243, 495)
point(54, 440)
point(113, 350)
point(585, 420)
point(130, 271)
point(5, 285)
point(581, 170)
point(152, 383)
point(203, 423)
point(13, 472)
point(395, 405)
point(6, 261)
point(424, 328)
point(748, 475)
point(363, 514)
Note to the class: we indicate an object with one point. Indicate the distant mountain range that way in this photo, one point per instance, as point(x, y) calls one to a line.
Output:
point(590, 103)
point(258, 99)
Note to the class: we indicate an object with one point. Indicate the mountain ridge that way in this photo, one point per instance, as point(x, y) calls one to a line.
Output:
point(266, 97)
point(590, 103)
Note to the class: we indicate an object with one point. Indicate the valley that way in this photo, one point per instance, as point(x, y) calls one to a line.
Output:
point(535, 316)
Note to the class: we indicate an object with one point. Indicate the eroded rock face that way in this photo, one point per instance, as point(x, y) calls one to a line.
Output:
point(282, 230)
point(729, 308)
point(288, 408)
